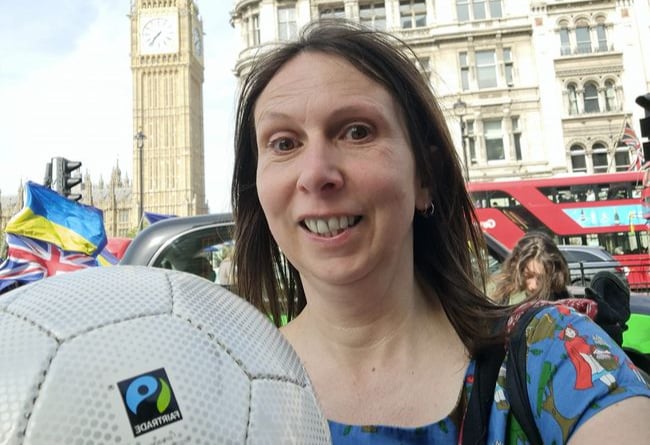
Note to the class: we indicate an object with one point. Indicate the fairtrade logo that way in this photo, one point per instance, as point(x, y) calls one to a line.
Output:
point(149, 401)
point(146, 386)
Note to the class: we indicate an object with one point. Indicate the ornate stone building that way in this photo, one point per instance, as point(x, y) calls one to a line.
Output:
point(536, 88)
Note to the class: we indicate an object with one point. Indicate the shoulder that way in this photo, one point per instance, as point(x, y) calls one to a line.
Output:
point(574, 370)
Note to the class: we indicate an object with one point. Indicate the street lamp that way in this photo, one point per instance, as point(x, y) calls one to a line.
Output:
point(140, 137)
point(460, 109)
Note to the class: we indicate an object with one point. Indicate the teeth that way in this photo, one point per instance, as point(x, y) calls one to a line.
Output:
point(331, 226)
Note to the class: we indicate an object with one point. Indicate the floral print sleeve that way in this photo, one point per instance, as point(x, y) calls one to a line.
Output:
point(574, 370)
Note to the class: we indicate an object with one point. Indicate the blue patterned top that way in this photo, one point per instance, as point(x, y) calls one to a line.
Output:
point(577, 371)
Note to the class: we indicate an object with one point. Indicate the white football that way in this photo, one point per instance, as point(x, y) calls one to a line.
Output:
point(131, 354)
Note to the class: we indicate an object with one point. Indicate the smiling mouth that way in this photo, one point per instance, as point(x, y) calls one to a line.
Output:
point(328, 227)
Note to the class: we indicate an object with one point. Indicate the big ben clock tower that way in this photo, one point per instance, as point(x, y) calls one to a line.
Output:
point(167, 67)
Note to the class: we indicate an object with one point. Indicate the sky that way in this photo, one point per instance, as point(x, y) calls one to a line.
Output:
point(66, 90)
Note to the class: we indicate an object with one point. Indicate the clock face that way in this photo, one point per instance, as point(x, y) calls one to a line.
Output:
point(196, 41)
point(159, 34)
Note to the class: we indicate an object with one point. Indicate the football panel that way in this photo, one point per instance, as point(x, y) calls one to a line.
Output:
point(235, 323)
point(99, 296)
point(25, 354)
point(81, 398)
point(282, 412)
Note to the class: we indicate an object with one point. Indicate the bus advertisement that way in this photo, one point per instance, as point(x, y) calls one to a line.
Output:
point(601, 209)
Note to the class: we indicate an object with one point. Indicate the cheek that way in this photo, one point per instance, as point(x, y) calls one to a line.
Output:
point(268, 185)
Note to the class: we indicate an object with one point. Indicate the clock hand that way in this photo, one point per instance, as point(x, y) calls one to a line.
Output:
point(151, 42)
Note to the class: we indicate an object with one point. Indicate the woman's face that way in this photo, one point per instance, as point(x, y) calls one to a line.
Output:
point(335, 176)
point(533, 273)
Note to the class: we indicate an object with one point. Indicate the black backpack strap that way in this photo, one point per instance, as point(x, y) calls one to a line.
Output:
point(516, 386)
point(477, 415)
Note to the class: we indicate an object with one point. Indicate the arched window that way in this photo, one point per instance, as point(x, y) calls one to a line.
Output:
point(578, 159)
point(599, 157)
point(622, 158)
point(565, 43)
point(573, 99)
point(610, 96)
point(591, 98)
point(601, 35)
point(583, 39)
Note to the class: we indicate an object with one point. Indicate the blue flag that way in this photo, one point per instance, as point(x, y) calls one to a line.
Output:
point(155, 217)
point(50, 217)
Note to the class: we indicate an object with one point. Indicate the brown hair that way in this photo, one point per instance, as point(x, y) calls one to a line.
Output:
point(540, 247)
point(447, 246)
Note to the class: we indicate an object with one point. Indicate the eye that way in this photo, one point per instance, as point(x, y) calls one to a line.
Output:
point(357, 132)
point(283, 144)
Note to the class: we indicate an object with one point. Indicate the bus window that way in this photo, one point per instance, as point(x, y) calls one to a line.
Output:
point(619, 191)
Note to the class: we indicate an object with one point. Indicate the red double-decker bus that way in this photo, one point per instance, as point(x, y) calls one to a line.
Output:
point(601, 209)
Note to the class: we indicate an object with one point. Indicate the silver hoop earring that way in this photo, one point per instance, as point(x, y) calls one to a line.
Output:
point(428, 210)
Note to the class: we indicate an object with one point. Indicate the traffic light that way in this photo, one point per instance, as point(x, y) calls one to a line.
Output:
point(63, 179)
point(644, 101)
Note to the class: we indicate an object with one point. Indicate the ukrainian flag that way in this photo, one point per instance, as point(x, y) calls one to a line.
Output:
point(50, 217)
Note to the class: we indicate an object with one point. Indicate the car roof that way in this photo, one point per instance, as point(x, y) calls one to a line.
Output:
point(153, 239)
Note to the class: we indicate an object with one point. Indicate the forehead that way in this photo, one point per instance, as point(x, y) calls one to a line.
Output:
point(317, 72)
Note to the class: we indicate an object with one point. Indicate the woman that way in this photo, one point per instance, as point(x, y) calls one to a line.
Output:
point(352, 219)
point(534, 269)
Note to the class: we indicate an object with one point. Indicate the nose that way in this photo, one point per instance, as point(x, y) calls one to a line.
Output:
point(320, 168)
point(532, 284)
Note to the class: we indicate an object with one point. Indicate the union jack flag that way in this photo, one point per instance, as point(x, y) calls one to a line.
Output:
point(30, 260)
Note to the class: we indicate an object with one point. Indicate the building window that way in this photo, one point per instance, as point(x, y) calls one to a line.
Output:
point(610, 96)
point(622, 158)
point(287, 27)
point(516, 137)
point(462, 10)
point(591, 98)
point(599, 157)
point(478, 9)
point(486, 72)
point(413, 13)
point(495, 9)
point(573, 99)
point(601, 35)
point(464, 71)
point(493, 140)
point(471, 141)
point(373, 15)
point(578, 159)
point(508, 66)
point(336, 11)
point(565, 42)
point(583, 39)
point(467, 10)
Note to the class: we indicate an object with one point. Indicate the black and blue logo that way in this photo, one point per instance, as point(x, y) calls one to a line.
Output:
point(149, 401)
